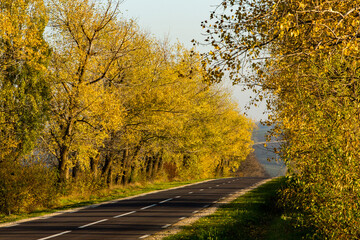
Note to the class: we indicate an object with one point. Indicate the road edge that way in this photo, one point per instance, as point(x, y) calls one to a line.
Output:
point(177, 227)
point(10, 224)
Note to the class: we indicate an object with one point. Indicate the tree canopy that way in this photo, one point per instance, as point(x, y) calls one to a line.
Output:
point(121, 107)
point(303, 56)
point(23, 88)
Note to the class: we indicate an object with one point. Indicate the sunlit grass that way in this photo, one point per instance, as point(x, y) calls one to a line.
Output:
point(254, 215)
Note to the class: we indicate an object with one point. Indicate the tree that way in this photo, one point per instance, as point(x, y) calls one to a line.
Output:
point(119, 106)
point(23, 85)
point(24, 99)
point(169, 114)
point(303, 55)
point(89, 44)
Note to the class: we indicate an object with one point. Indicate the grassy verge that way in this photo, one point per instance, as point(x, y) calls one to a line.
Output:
point(254, 215)
point(75, 201)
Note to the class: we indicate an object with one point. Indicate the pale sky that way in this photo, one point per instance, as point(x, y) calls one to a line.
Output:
point(179, 20)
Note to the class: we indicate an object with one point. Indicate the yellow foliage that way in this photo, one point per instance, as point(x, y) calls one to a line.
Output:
point(305, 63)
point(23, 56)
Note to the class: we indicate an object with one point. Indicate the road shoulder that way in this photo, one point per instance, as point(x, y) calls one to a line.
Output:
point(177, 227)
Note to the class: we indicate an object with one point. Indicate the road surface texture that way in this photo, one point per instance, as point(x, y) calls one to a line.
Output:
point(132, 218)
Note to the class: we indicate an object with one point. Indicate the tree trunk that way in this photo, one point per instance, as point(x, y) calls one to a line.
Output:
point(149, 166)
point(76, 171)
point(109, 179)
point(220, 169)
point(123, 166)
point(129, 165)
point(94, 161)
point(64, 151)
point(106, 170)
point(155, 166)
point(63, 162)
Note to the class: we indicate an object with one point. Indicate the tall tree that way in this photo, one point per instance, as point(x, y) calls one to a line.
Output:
point(89, 43)
point(23, 86)
point(24, 96)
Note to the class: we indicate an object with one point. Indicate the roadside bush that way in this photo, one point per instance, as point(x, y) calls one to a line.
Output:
point(324, 186)
point(26, 186)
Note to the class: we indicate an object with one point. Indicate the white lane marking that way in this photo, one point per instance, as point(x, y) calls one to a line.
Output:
point(169, 199)
point(214, 201)
point(210, 187)
point(93, 223)
point(196, 211)
point(201, 189)
point(124, 214)
point(190, 192)
point(145, 236)
point(182, 218)
point(47, 217)
point(217, 185)
point(153, 205)
point(205, 206)
point(55, 235)
point(229, 181)
point(166, 226)
point(177, 196)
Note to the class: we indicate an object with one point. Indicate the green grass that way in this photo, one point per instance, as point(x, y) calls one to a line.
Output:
point(254, 215)
point(69, 202)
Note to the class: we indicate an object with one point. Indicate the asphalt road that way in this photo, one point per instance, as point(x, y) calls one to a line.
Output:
point(134, 218)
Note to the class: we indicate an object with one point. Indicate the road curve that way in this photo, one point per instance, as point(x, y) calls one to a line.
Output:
point(134, 218)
